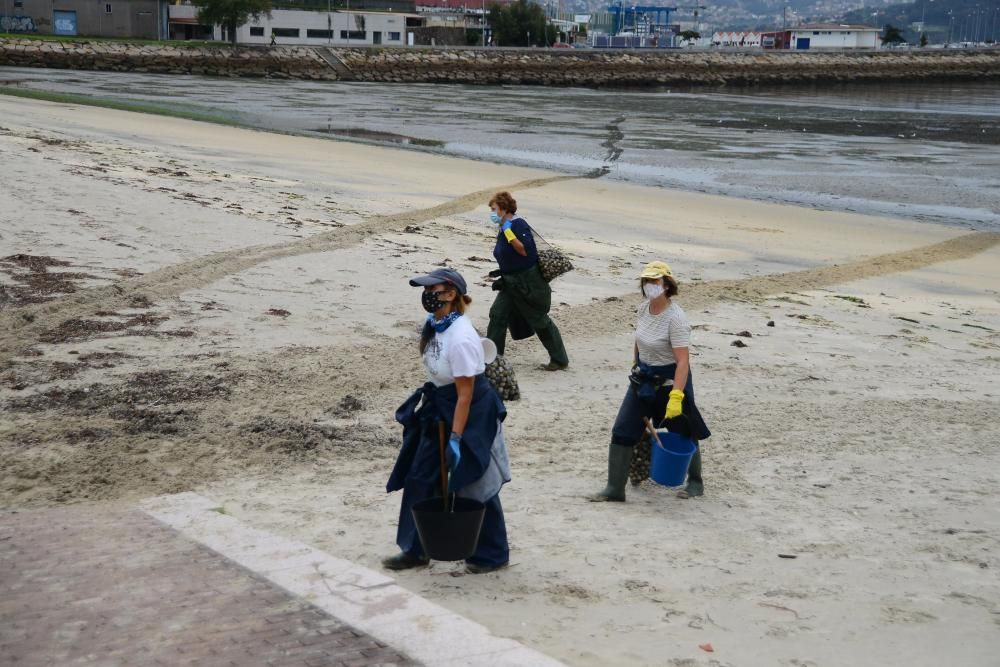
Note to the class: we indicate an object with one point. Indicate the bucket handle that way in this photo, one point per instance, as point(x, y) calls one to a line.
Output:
point(684, 421)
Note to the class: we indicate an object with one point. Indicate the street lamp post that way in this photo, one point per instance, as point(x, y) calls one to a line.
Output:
point(923, 16)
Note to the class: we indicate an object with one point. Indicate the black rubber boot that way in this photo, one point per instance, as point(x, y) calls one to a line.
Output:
point(695, 487)
point(619, 460)
point(404, 561)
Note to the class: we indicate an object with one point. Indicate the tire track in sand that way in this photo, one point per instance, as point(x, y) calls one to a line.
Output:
point(21, 328)
point(604, 317)
point(611, 317)
point(615, 317)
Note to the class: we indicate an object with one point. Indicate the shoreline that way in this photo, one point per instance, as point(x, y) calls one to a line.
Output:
point(962, 218)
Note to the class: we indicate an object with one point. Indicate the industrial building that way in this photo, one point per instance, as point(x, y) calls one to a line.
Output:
point(391, 25)
point(320, 28)
point(834, 36)
point(141, 19)
point(741, 39)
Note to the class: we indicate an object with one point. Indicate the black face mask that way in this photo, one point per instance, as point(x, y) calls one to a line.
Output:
point(431, 302)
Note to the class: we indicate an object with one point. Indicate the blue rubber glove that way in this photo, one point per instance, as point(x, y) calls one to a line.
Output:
point(453, 452)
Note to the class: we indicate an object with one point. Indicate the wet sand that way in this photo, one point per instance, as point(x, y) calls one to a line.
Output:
point(235, 320)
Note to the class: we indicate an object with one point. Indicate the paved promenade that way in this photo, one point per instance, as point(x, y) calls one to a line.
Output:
point(85, 585)
point(178, 582)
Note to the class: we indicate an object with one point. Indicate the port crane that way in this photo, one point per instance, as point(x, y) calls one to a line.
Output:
point(640, 19)
point(696, 8)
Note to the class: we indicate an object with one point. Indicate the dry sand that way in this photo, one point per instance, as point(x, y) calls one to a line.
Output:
point(226, 311)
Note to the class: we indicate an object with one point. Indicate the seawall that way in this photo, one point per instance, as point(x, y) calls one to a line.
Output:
point(576, 67)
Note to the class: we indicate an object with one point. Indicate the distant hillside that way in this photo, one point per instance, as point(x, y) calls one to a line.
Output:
point(772, 14)
point(740, 14)
point(966, 20)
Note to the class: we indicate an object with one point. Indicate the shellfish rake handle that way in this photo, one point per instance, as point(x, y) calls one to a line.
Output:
point(443, 442)
point(652, 431)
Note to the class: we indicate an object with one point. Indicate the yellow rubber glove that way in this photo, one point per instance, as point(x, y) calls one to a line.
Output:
point(674, 404)
point(508, 233)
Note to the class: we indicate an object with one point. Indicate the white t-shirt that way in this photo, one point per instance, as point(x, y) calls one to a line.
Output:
point(458, 352)
point(658, 335)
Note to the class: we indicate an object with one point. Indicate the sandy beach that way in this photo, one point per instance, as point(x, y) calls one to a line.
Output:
point(196, 307)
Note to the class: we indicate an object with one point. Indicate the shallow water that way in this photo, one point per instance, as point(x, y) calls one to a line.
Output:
point(925, 151)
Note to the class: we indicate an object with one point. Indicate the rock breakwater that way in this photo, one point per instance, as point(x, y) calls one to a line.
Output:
point(578, 67)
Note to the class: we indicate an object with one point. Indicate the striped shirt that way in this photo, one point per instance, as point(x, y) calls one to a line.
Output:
point(658, 335)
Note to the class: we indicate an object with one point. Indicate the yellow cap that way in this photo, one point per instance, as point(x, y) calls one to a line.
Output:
point(656, 270)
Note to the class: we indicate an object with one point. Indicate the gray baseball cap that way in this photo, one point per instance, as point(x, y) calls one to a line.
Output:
point(440, 277)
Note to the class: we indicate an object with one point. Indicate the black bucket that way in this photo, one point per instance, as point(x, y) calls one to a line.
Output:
point(449, 535)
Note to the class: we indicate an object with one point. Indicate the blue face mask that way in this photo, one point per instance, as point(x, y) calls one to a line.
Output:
point(495, 217)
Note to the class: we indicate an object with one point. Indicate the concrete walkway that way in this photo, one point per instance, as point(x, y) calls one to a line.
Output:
point(87, 586)
point(176, 582)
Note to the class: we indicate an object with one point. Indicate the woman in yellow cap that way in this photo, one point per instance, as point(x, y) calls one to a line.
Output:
point(660, 386)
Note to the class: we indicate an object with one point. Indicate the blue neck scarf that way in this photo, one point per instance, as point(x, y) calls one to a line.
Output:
point(442, 325)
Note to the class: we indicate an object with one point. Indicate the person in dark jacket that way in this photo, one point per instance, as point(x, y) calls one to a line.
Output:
point(458, 395)
point(521, 290)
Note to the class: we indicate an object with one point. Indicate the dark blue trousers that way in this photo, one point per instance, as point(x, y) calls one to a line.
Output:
point(629, 425)
point(492, 549)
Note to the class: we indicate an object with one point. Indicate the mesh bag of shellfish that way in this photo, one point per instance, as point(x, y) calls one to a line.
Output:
point(553, 263)
point(500, 373)
point(641, 455)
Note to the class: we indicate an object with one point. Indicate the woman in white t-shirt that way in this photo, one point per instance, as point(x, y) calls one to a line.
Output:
point(457, 394)
point(660, 386)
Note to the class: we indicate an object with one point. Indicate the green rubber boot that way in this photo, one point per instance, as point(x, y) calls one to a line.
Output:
point(619, 460)
point(695, 487)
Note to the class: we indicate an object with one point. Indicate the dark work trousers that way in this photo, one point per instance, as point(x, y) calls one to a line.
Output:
point(530, 296)
point(491, 550)
point(630, 425)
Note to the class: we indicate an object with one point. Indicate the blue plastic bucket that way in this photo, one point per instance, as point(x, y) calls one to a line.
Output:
point(670, 462)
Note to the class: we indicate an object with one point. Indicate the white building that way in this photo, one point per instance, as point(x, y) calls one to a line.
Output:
point(339, 28)
point(834, 36)
point(738, 39)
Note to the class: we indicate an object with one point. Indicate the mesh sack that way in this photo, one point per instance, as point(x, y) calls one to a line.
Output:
point(642, 455)
point(553, 263)
point(500, 373)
